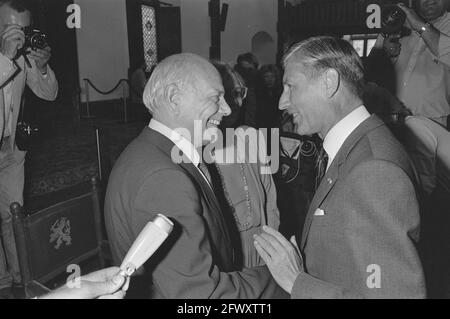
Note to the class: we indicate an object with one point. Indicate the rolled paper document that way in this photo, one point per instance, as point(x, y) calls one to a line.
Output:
point(148, 241)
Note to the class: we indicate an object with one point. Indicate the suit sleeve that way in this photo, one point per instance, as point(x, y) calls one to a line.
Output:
point(422, 146)
point(381, 213)
point(44, 86)
point(188, 269)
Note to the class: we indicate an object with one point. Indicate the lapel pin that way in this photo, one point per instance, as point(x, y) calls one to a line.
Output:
point(319, 212)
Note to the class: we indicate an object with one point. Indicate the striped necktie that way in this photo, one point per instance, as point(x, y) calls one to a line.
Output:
point(204, 169)
point(321, 166)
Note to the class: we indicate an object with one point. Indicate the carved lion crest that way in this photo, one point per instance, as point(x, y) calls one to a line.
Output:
point(60, 233)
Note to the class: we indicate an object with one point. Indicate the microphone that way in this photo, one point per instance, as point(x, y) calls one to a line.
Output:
point(147, 242)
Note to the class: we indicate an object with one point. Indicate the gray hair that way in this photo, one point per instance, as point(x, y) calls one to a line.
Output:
point(317, 54)
point(178, 69)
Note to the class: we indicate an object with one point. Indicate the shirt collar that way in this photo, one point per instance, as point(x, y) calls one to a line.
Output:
point(180, 141)
point(337, 135)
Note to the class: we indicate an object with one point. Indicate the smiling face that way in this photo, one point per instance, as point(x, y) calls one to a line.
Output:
point(204, 101)
point(432, 9)
point(303, 98)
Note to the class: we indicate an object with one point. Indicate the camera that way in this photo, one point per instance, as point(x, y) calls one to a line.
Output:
point(26, 135)
point(35, 39)
point(392, 21)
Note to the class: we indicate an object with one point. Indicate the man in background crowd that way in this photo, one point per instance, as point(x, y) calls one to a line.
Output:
point(362, 227)
point(422, 60)
point(15, 16)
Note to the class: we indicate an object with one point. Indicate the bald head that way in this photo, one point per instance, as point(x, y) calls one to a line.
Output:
point(186, 92)
point(184, 70)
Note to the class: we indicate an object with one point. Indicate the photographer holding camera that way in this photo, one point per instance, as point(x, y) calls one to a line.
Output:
point(421, 58)
point(23, 60)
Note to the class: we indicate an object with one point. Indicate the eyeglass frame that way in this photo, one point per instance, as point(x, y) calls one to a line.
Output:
point(237, 92)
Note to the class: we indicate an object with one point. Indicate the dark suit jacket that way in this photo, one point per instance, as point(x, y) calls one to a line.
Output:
point(197, 259)
point(362, 226)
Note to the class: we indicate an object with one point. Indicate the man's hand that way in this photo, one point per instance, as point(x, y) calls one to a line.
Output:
point(416, 23)
point(282, 257)
point(11, 40)
point(41, 58)
point(413, 21)
point(103, 284)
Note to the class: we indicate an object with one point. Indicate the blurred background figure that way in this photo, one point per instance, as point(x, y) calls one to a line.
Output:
point(421, 59)
point(235, 93)
point(247, 67)
point(138, 79)
point(268, 92)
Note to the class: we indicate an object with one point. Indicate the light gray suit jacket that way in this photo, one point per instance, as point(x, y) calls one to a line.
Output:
point(362, 228)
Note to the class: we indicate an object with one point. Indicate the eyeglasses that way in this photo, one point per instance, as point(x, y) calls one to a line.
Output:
point(239, 92)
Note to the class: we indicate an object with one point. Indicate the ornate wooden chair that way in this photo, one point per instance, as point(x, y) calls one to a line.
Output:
point(52, 238)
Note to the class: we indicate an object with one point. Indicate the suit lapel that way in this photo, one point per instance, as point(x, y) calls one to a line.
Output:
point(325, 186)
point(205, 187)
point(334, 171)
point(214, 218)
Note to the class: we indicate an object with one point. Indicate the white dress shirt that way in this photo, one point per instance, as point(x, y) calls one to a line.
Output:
point(337, 135)
point(181, 142)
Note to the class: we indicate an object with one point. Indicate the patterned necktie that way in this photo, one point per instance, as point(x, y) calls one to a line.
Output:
point(321, 166)
point(2, 118)
point(213, 176)
point(202, 166)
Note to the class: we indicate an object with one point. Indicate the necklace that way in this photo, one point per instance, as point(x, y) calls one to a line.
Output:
point(242, 224)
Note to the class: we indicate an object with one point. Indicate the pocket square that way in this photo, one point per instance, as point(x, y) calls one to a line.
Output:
point(319, 212)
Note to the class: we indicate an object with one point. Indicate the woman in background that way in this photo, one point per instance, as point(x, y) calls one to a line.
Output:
point(248, 195)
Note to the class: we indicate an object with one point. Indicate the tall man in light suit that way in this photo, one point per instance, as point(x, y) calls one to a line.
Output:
point(363, 223)
point(197, 260)
point(14, 74)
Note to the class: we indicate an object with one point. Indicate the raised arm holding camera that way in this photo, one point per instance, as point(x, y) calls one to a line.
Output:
point(422, 58)
point(24, 58)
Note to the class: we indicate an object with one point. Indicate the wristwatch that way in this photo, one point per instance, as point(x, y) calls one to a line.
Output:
point(423, 28)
